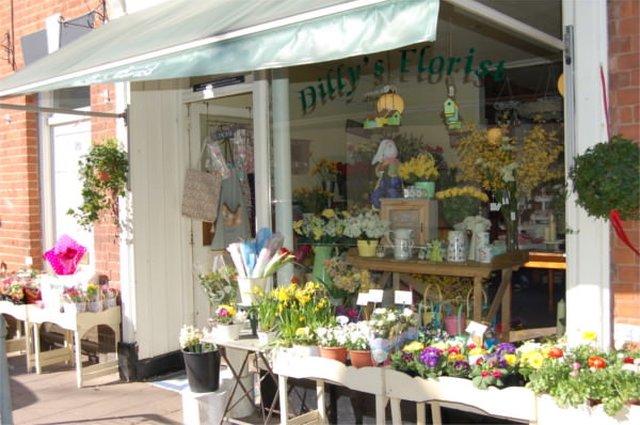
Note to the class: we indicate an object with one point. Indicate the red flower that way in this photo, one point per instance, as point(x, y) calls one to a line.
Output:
point(628, 360)
point(497, 374)
point(456, 350)
point(555, 353)
point(484, 373)
point(597, 362)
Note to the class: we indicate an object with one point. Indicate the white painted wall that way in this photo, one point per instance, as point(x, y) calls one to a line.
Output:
point(161, 290)
point(588, 256)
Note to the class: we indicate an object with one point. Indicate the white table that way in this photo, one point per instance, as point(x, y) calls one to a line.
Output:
point(255, 355)
point(77, 324)
point(21, 342)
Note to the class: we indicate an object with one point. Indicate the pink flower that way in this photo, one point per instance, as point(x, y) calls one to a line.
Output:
point(497, 374)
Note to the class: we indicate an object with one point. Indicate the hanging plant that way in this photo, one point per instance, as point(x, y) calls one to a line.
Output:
point(103, 172)
point(607, 178)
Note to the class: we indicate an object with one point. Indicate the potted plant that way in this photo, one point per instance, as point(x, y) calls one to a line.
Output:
point(228, 322)
point(111, 297)
point(74, 300)
point(201, 360)
point(607, 177)
point(103, 172)
point(94, 297)
point(421, 171)
point(346, 280)
point(333, 342)
point(357, 341)
point(366, 227)
point(220, 286)
point(266, 310)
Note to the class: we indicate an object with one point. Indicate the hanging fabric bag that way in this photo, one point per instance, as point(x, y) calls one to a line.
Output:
point(201, 194)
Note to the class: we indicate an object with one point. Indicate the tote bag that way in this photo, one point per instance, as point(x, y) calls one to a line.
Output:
point(201, 195)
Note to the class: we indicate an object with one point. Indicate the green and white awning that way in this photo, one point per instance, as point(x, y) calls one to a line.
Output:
point(186, 38)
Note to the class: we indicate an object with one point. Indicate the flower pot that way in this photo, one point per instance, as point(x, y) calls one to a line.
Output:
point(454, 325)
point(110, 303)
point(95, 306)
point(265, 338)
point(203, 371)
point(305, 351)
point(367, 247)
point(246, 287)
point(360, 358)
point(321, 254)
point(428, 189)
point(380, 348)
point(334, 353)
point(227, 332)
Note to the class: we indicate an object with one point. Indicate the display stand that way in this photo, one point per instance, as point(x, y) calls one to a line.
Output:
point(254, 357)
point(77, 324)
point(504, 263)
point(20, 342)
point(323, 371)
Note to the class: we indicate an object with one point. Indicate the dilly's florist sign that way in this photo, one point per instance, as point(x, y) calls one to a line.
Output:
point(342, 81)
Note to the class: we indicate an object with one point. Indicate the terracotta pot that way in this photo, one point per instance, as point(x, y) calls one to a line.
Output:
point(360, 358)
point(334, 353)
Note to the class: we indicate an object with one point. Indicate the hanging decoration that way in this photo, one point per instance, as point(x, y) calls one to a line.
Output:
point(389, 109)
point(451, 111)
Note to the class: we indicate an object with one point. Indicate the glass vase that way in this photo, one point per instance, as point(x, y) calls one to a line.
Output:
point(509, 211)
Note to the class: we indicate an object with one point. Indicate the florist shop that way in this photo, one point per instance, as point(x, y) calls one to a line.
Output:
point(442, 130)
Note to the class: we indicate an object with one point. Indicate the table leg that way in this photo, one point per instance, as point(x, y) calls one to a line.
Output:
point(477, 299)
point(78, 357)
point(506, 304)
point(552, 288)
point(27, 344)
point(238, 382)
point(270, 373)
point(284, 402)
point(36, 347)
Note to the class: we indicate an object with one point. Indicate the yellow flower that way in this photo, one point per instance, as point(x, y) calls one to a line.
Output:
point(589, 336)
point(533, 359)
point(413, 346)
point(328, 213)
point(511, 359)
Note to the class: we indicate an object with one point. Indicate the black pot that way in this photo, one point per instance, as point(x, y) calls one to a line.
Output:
point(203, 370)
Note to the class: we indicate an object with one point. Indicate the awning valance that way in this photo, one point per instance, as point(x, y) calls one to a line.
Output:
point(185, 38)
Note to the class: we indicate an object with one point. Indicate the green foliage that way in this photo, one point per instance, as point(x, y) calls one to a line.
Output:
point(103, 172)
point(607, 177)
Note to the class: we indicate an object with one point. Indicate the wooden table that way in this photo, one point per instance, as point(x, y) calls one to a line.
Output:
point(504, 263)
point(76, 324)
point(551, 261)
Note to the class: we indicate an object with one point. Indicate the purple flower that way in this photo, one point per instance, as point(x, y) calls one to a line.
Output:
point(461, 365)
point(430, 357)
point(506, 348)
point(496, 360)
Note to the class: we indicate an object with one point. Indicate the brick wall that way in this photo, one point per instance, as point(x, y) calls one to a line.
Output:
point(20, 199)
point(624, 108)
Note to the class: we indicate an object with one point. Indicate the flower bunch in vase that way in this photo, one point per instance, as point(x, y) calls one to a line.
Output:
point(326, 169)
point(459, 202)
point(365, 224)
point(220, 286)
point(301, 309)
point(346, 280)
point(191, 340)
point(225, 314)
point(324, 228)
point(509, 168)
point(260, 257)
point(419, 168)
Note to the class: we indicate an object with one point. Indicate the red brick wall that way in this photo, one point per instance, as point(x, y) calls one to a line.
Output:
point(624, 108)
point(106, 241)
point(20, 215)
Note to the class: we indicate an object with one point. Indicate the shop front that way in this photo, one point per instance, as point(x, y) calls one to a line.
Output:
point(331, 84)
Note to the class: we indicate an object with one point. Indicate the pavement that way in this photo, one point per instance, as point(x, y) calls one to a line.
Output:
point(52, 398)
